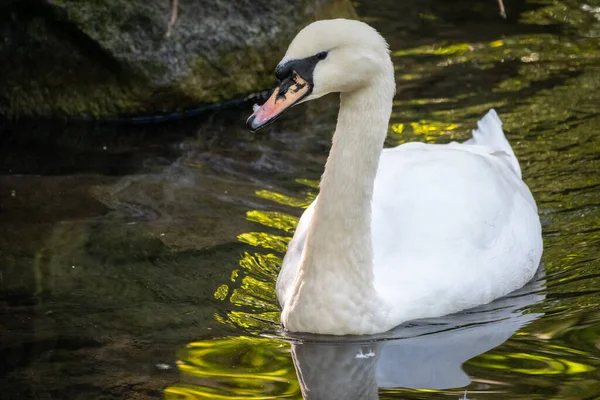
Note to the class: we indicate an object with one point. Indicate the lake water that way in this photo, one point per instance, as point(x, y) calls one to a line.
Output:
point(138, 260)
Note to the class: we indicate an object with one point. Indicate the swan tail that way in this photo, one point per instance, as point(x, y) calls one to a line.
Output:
point(489, 133)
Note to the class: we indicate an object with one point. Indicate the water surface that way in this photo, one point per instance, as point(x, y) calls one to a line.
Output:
point(139, 261)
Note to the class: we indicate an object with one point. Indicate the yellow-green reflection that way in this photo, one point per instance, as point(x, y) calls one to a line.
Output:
point(261, 264)
point(238, 367)
point(453, 49)
point(271, 219)
point(286, 200)
point(221, 292)
point(536, 364)
point(255, 293)
point(312, 183)
point(429, 128)
point(261, 239)
point(255, 290)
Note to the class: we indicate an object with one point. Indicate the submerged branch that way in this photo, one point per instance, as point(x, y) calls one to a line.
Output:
point(173, 19)
point(502, 10)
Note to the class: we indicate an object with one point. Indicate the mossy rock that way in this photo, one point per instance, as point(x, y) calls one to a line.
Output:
point(108, 58)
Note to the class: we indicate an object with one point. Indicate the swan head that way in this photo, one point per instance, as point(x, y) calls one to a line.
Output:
point(338, 55)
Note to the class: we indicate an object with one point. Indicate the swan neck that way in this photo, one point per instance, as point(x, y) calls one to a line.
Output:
point(343, 210)
point(336, 268)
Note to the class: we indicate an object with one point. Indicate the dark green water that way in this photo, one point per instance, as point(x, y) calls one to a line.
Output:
point(139, 261)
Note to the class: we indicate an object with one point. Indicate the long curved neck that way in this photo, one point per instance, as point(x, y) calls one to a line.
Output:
point(338, 250)
point(341, 224)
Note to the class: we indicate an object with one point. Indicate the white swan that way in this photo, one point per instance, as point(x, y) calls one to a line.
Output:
point(416, 231)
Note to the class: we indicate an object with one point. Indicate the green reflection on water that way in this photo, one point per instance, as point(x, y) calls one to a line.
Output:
point(235, 368)
point(546, 87)
point(272, 219)
point(538, 364)
point(268, 241)
point(286, 200)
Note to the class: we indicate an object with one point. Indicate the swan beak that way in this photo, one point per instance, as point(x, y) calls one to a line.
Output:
point(289, 93)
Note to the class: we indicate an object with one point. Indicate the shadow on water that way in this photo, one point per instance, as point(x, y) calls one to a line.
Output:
point(120, 244)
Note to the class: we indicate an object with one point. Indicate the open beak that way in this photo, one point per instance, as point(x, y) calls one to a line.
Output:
point(289, 93)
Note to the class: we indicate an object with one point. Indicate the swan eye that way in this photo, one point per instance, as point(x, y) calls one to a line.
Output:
point(283, 71)
point(322, 55)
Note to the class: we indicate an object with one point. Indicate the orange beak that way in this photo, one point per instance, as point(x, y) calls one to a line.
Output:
point(290, 91)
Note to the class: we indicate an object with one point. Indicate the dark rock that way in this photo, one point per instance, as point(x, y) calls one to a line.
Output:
point(111, 58)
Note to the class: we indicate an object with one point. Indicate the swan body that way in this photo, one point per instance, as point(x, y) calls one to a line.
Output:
point(416, 231)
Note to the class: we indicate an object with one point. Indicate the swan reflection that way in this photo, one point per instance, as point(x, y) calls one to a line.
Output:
point(427, 354)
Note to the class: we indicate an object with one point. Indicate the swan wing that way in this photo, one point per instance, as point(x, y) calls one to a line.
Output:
point(453, 226)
